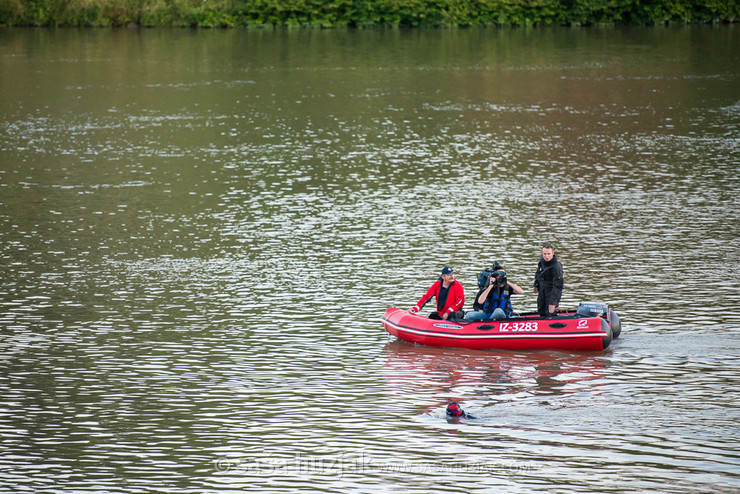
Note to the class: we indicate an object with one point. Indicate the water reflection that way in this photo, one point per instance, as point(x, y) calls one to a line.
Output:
point(489, 378)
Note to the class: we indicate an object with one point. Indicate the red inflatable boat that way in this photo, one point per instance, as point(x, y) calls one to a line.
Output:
point(591, 327)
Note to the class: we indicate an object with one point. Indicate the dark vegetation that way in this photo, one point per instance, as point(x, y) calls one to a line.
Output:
point(362, 13)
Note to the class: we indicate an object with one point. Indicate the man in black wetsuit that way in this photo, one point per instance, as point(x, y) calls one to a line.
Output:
point(548, 282)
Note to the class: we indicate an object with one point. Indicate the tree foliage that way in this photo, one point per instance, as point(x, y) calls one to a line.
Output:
point(362, 13)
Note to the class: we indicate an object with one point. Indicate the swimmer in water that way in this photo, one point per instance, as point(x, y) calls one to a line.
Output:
point(455, 411)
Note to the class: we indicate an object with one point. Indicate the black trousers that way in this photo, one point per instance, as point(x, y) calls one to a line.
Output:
point(454, 316)
point(544, 299)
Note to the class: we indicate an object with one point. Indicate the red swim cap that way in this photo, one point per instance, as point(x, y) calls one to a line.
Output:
point(454, 409)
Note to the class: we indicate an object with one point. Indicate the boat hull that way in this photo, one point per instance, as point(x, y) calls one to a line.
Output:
point(567, 331)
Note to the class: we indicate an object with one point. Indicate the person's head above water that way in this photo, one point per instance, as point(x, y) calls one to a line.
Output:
point(454, 410)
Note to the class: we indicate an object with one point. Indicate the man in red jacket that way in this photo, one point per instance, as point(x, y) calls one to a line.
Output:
point(449, 293)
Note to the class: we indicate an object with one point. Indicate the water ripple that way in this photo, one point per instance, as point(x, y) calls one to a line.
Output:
point(195, 260)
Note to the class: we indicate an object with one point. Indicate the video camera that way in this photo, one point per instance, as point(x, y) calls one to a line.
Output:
point(484, 278)
point(499, 277)
point(492, 275)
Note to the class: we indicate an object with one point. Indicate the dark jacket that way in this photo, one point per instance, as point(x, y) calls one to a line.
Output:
point(549, 279)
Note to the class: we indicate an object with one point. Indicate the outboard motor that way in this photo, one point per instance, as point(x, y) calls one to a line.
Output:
point(593, 309)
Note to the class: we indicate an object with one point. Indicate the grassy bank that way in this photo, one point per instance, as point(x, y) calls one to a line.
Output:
point(362, 13)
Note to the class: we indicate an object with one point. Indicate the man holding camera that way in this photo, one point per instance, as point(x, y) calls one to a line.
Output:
point(493, 301)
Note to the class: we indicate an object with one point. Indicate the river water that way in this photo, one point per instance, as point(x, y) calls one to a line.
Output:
point(199, 232)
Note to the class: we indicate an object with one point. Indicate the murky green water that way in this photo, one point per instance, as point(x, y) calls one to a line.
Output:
point(199, 232)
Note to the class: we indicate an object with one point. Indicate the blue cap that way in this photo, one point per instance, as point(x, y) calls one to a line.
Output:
point(447, 270)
